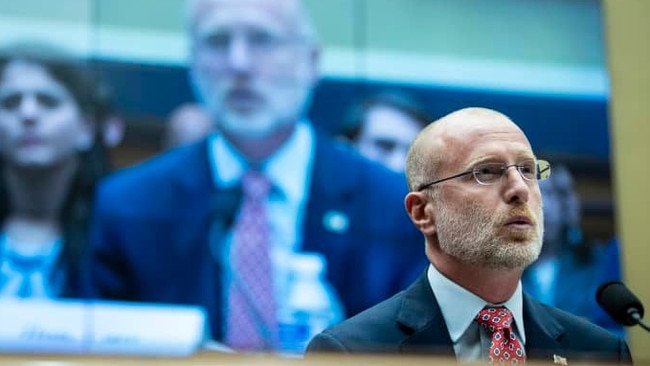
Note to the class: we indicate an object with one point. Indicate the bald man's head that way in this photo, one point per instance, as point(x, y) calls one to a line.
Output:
point(443, 138)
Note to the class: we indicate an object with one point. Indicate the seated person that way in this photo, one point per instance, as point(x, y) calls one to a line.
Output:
point(570, 269)
point(383, 126)
point(52, 156)
point(474, 195)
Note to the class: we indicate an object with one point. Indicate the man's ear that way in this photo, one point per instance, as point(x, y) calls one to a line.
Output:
point(421, 213)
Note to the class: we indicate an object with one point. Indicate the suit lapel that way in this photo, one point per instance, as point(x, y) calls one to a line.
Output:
point(193, 193)
point(331, 192)
point(193, 230)
point(542, 331)
point(330, 209)
point(197, 170)
point(422, 321)
point(426, 331)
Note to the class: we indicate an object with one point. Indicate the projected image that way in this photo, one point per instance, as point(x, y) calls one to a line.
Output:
point(256, 186)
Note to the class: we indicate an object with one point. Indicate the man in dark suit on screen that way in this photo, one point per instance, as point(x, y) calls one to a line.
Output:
point(474, 194)
point(216, 223)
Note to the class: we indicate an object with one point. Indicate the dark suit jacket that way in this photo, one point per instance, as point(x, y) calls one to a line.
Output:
point(577, 283)
point(151, 224)
point(411, 322)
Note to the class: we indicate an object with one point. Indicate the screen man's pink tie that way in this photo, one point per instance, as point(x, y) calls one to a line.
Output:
point(251, 312)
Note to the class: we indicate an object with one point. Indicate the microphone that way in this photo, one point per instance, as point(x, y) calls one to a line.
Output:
point(224, 207)
point(621, 304)
point(225, 204)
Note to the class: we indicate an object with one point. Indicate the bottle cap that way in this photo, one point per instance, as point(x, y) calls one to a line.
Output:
point(310, 262)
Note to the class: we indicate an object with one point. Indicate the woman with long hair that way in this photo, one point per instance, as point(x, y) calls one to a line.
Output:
point(51, 157)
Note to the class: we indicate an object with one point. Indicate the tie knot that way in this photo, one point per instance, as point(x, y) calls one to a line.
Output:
point(255, 184)
point(505, 347)
point(495, 318)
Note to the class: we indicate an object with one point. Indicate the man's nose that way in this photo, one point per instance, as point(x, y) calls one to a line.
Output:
point(240, 55)
point(517, 188)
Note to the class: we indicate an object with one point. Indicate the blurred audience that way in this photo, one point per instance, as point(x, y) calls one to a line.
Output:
point(570, 268)
point(52, 155)
point(186, 124)
point(383, 126)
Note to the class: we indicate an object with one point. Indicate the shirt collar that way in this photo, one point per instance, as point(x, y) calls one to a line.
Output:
point(228, 164)
point(46, 254)
point(459, 306)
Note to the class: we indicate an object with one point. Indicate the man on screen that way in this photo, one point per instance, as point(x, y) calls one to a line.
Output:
point(214, 223)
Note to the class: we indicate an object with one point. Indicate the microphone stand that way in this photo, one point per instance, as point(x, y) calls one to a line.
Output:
point(634, 314)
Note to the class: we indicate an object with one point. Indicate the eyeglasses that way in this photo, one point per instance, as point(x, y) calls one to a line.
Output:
point(491, 173)
point(260, 43)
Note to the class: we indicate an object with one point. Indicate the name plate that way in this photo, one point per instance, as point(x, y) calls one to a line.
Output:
point(100, 327)
point(43, 326)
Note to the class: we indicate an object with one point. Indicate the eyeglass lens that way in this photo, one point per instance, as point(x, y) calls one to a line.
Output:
point(491, 173)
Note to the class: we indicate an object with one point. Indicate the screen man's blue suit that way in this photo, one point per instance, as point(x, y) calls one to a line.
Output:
point(152, 223)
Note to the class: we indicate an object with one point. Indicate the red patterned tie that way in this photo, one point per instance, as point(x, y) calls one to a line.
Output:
point(251, 319)
point(505, 347)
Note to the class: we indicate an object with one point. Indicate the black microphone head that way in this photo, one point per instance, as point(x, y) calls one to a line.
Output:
point(224, 205)
point(619, 302)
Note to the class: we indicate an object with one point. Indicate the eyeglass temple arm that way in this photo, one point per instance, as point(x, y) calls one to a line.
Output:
point(539, 173)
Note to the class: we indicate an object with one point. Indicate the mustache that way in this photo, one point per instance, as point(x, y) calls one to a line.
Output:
point(520, 211)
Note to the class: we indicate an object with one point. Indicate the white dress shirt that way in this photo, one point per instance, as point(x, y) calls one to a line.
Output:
point(459, 307)
point(289, 171)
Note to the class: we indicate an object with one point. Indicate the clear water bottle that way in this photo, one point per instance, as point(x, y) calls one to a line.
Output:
point(310, 306)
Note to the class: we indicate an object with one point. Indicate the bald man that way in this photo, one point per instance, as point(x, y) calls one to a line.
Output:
point(474, 195)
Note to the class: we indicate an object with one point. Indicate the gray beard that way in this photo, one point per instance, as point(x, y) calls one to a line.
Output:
point(470, 235)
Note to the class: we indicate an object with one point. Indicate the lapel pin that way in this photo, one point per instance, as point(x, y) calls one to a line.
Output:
point(336, 221)
point(559, 360)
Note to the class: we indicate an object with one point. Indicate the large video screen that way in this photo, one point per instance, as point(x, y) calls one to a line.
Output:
point(122, 189)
